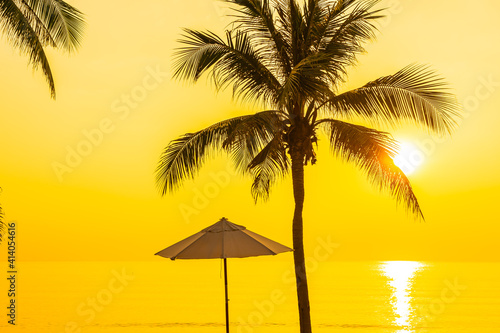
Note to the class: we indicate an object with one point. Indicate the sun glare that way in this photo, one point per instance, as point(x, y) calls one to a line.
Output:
point(400, 274)
point(409, 158)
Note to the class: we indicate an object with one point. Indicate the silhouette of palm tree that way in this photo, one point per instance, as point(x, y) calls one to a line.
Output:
point(31, 25)
point(292, 58)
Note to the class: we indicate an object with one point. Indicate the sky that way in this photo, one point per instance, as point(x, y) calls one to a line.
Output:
point(77, 173)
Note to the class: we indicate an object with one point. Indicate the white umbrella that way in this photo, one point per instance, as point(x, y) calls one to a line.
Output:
point(223, 240)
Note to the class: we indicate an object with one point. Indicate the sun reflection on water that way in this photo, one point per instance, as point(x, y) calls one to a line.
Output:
point(400, 274)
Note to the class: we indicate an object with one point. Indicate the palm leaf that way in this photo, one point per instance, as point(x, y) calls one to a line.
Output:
point(256, 19)
point(232, 61)
point(372, 151)
point(415, 94)
point(349, 23)
point(312, 77)
point(20, 34)
point(183, 157)
point(347, 27)
point(60, 20)
point(251, 135)
point(332, 37)
point(36, 23)
point(270, 164)
point(352, 23)
point(296, 23)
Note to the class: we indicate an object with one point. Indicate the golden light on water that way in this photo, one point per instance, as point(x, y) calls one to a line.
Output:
point(401, 274)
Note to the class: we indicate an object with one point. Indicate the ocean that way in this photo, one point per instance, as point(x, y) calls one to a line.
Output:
point(188, 296)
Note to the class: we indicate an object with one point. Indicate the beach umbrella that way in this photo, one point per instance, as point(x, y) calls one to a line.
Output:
point(223, 240)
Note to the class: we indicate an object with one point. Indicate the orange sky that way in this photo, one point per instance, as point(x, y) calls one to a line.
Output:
point(118, 107)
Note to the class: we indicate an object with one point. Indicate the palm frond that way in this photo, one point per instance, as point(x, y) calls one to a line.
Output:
point(316, 13)
point(36, 23)
point(63, 22)
point(332, 37)
point(348, 22)
point(183, 157)
point(256, 19)
point(372, 151)
point(269, 165)
point(256, 146)
point(352, 22)
point(249, 136)
point(340, 36)
point(311, 77)
point(233, 61)
point(296, 25)
point(415, 94)
point(21, 35)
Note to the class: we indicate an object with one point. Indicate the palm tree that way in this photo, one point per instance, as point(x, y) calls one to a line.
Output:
point(31, 25)
point(292, 58)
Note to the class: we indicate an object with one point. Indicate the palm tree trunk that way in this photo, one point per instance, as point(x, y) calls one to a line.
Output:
point(298, 242)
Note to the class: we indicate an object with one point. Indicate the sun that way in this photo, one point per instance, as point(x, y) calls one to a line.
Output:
point(409, 157)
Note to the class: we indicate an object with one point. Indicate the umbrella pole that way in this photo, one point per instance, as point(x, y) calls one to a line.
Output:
point(227, 299)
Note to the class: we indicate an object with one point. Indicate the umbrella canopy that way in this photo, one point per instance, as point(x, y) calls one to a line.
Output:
point(223, 240)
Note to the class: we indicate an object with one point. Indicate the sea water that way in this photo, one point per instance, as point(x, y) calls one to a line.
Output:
point(188, 296)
